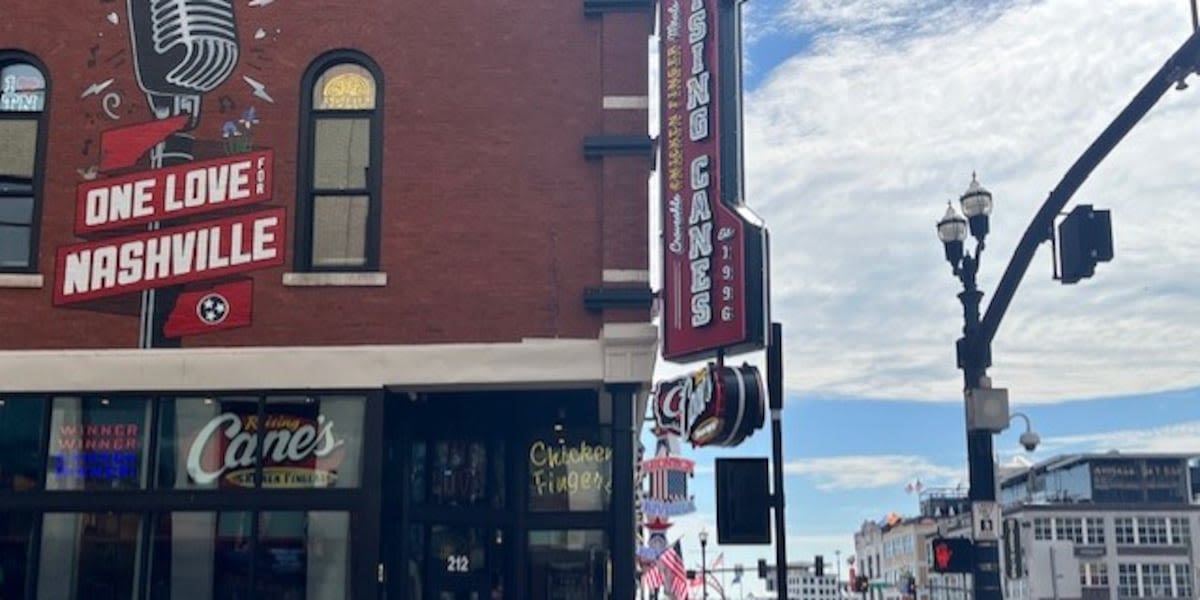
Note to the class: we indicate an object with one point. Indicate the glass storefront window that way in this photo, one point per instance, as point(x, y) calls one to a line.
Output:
point(89, 556)
point(97, 442)
point(16, 534)
point(20, 442)
point(459, 473)
point(456, 472)
point(457, 550)
point(201, 555)
point(303, 555)
point(568, 564)
point(307, 442)
point(313, 442)
point(569, 473)
point(286, 555)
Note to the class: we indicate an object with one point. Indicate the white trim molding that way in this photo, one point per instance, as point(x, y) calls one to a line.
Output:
point(624, 353)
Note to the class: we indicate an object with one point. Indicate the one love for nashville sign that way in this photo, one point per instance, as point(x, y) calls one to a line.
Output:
point(137, 257)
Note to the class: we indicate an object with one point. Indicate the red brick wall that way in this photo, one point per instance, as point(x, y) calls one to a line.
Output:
point(493, 222)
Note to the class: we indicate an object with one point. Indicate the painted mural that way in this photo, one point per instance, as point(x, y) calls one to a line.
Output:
point(173, 207)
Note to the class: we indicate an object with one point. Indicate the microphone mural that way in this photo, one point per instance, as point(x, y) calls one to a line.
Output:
point(200, 192)
point(182, 49)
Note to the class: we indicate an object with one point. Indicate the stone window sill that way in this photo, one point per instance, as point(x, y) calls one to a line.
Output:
point(22, 280)
point(357, 279)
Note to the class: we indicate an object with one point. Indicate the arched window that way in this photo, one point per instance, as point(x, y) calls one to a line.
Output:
point(339, 171)
point(23, 94)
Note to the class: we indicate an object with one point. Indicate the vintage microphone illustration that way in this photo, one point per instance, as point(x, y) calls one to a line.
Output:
point(182, 49)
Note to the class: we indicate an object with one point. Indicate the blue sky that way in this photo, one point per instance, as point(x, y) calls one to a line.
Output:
point(863, 118)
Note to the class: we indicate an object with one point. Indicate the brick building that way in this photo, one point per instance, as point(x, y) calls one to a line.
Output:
point(322, 299)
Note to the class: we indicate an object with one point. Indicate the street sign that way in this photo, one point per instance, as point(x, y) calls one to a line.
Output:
point(985, 521)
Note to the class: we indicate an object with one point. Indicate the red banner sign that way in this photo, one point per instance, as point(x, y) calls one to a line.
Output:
point(172, 192)
point(169, 256)
point(713, 281)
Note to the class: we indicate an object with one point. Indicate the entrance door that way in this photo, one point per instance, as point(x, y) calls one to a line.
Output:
point(464, 562)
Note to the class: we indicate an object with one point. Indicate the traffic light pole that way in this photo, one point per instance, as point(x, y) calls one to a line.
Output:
point(975, 346)
point(1186, 60)
point(775, 397)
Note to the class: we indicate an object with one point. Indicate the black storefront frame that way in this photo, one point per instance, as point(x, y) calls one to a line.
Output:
point(516, 519)
point(151, 502)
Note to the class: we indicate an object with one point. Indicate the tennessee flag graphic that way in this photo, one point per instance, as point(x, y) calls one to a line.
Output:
point(217, 308)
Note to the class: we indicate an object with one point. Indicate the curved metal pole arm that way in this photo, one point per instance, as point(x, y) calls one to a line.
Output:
point(1185, 60)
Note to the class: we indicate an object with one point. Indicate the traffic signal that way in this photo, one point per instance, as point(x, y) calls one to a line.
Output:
point(953, 555)
point(1084, 238)
point(862, 583)
point(743, 501)
point(762, 568)
point(819, 565)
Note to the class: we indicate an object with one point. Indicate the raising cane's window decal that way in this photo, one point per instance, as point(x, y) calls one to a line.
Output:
point(299, 441)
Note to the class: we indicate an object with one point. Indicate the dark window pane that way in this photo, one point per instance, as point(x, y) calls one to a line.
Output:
point(201, 555)
point(416, 549)
point(344, 87)
point(457, 550)
point(313, 442)
point(303, 556)
point(102, 549)
point(568, 564)
point(97, 442)
point(17, 153)
point(16, 534)
point(340, 231)
point(570, 473)
point(459, 473)
point(416, 479)
point(20, 442)
point(207, 443)
point(15, 210)
point(22, 88)
point(14, 246)
point(342, 153)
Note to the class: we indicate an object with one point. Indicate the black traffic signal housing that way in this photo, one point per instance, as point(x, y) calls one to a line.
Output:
point(1084, 239)
point(743, 501)
point(762, 568)
point(953, 555)
point(819, 565)
point(862, 583)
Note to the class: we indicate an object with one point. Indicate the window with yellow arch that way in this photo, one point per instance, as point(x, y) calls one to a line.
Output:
point(344, 87)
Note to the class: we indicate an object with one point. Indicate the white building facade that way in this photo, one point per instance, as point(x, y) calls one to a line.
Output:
point(804, 584)
point(1101, 527)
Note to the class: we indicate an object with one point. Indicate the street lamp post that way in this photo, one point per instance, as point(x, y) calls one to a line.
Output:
point(704, 563)
point(837, 560)
point(974, 357)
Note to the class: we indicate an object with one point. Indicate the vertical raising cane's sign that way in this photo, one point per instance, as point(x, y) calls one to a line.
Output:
point(714, 248)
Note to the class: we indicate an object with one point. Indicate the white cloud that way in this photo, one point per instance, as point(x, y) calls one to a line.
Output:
point(841, 473)
point(1180, 437)
point(854, 147)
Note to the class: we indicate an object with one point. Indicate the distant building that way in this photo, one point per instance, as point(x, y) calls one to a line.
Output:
point(1101, 526)
point(803, 583)
point(894, 557)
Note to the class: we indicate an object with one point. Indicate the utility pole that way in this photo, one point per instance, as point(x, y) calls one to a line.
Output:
point(775, 396)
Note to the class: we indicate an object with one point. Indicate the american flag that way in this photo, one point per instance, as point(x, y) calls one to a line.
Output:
point(652, 577)
point(674, 565)
point(668, 485)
